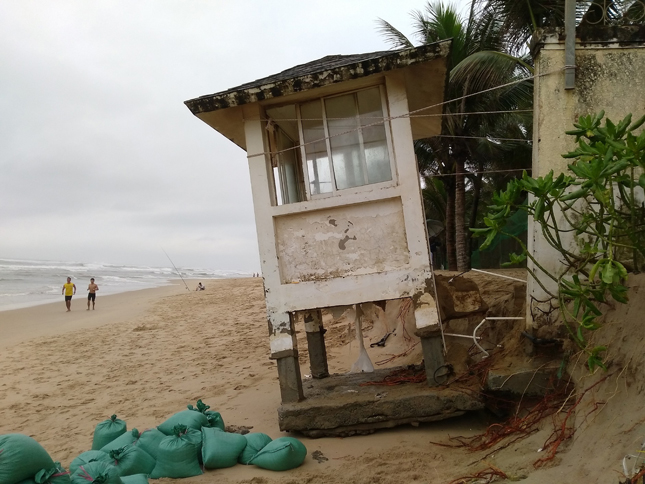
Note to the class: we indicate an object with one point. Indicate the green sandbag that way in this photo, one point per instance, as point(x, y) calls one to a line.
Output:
point(86, 458)
point(96, 473)
point(193, 419)
point(281, 455)
point(121, 441)
point(221, 449)
point(255, 442)
point(108, 430)
point(21, 457)
point(215, 420)
point(55, 475)
point(178, 454)
point(149, 441)
point(135, 479)
point(130, 460)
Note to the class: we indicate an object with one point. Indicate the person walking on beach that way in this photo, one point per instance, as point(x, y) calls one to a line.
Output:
point(91, 295)
point(69, 289)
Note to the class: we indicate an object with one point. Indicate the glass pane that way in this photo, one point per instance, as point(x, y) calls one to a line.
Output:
point(315, 148)
point(278, 186)
point(377, 157)
point(346, 153)
point(288, 168)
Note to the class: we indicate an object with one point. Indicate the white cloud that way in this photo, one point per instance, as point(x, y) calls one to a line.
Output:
point(99, 158)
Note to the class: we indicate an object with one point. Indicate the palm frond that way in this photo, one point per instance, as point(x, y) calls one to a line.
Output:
point(483, 70)
point(392, 35)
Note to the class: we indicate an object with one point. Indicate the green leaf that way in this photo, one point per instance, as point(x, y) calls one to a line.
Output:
point(637, 124)
point(576, 307)
point(608, 273)
point(575, 195)
point(595, 361)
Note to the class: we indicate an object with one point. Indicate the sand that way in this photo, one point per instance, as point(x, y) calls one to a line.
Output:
point(147, 354)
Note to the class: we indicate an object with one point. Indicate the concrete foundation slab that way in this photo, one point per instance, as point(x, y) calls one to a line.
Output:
point(340, 406)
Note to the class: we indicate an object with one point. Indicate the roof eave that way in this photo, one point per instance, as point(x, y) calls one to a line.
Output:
point(324, 77)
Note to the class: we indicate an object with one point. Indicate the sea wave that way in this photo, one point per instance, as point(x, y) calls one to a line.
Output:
point(31, 282)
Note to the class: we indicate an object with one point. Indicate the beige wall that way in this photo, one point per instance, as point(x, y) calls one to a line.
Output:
point(609, 77)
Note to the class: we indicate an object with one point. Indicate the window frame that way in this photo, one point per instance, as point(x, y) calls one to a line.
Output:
point(301, 154)
point(388, 138)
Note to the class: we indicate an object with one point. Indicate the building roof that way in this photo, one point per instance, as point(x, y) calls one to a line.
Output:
point(327, 70)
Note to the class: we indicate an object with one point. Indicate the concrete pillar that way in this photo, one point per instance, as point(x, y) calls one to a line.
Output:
point(290, 379)
point(284, 349)
point(316, 343)
point(432, 347)
point(426, 315)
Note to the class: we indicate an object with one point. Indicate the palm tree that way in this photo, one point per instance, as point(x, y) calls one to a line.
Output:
point(470, 143)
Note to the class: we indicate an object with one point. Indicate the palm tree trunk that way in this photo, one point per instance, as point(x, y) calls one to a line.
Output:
point(450, 226)
point(477, 188)
point(461, 240)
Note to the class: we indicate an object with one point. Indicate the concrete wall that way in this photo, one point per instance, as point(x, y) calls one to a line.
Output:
point(610, 76)
point(364, 244)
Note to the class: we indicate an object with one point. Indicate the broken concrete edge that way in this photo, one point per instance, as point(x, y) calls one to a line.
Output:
point(369, 428)
point(589, 34)
point(284, 354)
point(538, 382)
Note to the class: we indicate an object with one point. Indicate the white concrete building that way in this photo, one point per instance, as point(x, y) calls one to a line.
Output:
point(336, 190)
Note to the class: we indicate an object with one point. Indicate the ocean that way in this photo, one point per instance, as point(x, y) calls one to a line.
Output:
point(25, 283)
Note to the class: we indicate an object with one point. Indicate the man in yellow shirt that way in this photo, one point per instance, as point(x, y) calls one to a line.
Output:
point(69, 290)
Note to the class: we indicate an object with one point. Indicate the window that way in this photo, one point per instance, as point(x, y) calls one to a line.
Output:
point(344, 145)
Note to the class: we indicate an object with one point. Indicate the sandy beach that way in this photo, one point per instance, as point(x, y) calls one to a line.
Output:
point(145, 355)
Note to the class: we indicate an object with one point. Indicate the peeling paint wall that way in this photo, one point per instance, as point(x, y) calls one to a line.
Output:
point(348, 240)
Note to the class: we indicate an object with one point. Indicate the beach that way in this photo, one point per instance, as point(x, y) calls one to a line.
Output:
point(144, 355)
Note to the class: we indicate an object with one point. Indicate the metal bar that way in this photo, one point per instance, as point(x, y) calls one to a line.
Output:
point(570, 44)
point(474, 337)
point(498, 275)
point(461, 335)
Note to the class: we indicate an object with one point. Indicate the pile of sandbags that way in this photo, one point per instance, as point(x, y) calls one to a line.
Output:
point(185, 445)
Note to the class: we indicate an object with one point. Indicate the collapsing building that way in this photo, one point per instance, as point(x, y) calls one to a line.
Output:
point(339, 213)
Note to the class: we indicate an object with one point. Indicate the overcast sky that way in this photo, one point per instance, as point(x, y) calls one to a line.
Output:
point(101, 161)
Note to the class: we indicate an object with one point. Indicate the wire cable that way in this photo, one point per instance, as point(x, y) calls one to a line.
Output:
point(405, 115)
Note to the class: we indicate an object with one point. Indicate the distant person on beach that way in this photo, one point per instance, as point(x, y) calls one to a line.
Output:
point(69, 289)
point(200, 287)
point(91, 295)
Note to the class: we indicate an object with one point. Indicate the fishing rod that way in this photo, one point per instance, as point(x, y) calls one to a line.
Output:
point(173, 264)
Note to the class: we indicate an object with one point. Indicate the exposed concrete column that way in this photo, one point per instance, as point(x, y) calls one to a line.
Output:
point(284, 349)
point(316, 343)
point(426, 315)
point(433, 359)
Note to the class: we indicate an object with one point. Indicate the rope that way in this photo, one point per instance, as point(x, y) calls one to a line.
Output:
point(439, 175)
point(383, 118)
point(405, 115)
